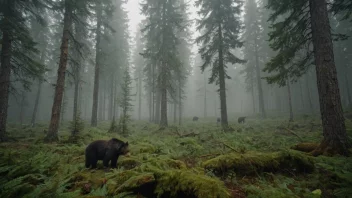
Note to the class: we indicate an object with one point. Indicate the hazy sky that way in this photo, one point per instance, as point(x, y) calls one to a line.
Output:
point(134, 15)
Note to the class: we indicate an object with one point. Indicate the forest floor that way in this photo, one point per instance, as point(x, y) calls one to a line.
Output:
point(195, 160)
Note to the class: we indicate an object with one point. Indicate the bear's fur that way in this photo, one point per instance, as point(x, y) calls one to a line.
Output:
point(241, 120)
point(105, 150)
point(195, 118)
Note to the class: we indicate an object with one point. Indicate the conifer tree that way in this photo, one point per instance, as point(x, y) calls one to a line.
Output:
point(304, 26)
point(70, 10)
point(125, 102)
point(164, 21)
point(253, 35)
point(60, 85)
point(221, 25)
point(18, 50)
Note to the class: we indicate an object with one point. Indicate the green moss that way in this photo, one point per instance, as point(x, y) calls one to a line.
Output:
point(254, 162)
point(188, 184)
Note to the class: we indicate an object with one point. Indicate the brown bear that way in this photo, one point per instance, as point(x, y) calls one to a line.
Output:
point(241, 120)
point(105, 150)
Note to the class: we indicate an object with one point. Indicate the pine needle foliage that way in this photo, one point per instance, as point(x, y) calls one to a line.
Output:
point(125, 103)
point(291, 38)
point(221, 26)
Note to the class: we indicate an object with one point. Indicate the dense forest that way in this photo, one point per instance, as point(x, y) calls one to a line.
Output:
point(175, 98)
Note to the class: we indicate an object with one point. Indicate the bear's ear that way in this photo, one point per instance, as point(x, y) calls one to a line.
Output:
point(126, 143)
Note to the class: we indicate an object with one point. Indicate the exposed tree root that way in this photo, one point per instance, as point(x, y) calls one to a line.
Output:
point(51, 138)
point(331, 148)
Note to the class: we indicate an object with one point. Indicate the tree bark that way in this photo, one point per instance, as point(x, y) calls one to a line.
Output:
point(111, 100)
point(348, 91)
point(23, 95)
point(259, 81)
point(302, 98)
point(163, 105)
point(5, 72)
point(334, 130)
point(36, 103)
point(223, 105)
point(94, 121)
point(75, 95)
point(40, 83)
point(180, 102)
point(309, 96)
point(253, 98)
point(157, 106)
point(289, 100)
point(140, 94)
point(60, 84)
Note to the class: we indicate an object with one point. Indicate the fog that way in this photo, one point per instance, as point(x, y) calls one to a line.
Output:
point(260, 80)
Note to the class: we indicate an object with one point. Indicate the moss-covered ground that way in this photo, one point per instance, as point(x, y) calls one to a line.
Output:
point(195, 160)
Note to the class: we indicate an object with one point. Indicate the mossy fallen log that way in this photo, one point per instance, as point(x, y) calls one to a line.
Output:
point(173, 183)
point(254, 162)
point(305, 147)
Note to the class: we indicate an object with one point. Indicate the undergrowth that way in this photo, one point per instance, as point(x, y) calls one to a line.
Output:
point(193, 160)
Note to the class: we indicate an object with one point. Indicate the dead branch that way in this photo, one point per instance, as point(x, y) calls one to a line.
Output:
point(293, 133)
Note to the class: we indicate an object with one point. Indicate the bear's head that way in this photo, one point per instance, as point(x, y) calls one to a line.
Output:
point(124, 150)
point(120, 146)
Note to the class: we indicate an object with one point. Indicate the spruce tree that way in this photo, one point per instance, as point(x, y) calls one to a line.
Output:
point(221, 25)
point(253, 46)
point(125, 103)
point(70, 9)
point(164, 21)
point(18, 50)
point(302, 36)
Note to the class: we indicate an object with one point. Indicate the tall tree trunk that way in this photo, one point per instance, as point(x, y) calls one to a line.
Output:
point(100, 104)
point(348, 91)
point(175, 112)
point(111, 100)
point(163, 108)
point(60, 84)
point(104, 100)
point(334, 130)
point(223, 105)
point(309, 95)
point(205, 96)
point(75, 95)
point(23, 97)
point(163, 92)
point(37, 98)
point(94, 120)
point(139, 94)
point(157, 106)
point(150, 106)
point(289, 100)
point(259, 81)
point(253, 98)
point(302, 98)
point(36, 103)
point(63, 107)
point(180, 102)
point(5, 73)
point(153, 94)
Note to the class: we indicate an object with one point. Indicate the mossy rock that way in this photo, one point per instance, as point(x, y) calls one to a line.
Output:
point(255, 162)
